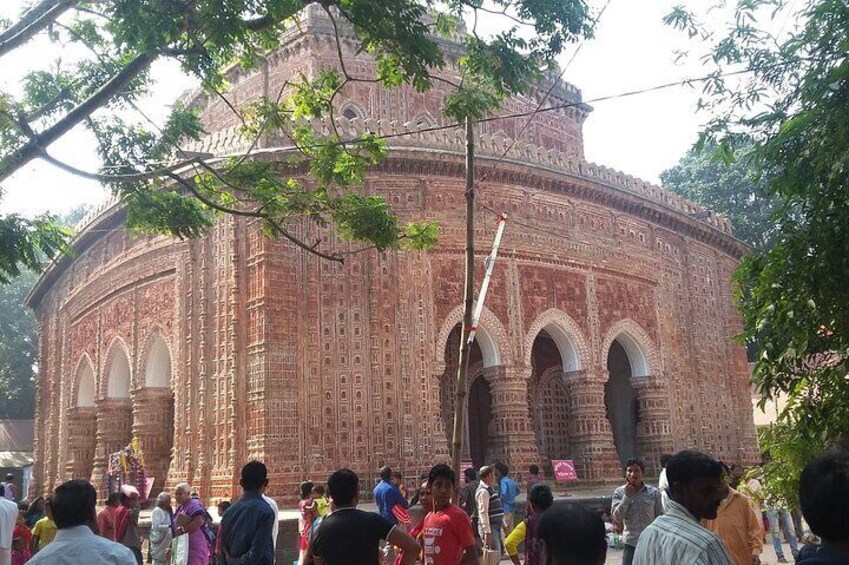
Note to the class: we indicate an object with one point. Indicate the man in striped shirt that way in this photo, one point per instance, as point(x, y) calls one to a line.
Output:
point(696, 489)
point(490, 510)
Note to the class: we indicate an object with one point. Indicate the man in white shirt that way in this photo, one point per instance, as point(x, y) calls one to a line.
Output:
point(9, 485)
point(662, 481)
point(276, 527)
point(74, 513)
point(696, 489)
point(490, 510)
point(8, 517)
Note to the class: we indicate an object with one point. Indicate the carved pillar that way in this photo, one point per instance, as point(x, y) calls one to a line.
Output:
point(512, 437)
point(114, 431)
point(654, 435)
point(591, 438)
point(153, 424)
point(82, 429)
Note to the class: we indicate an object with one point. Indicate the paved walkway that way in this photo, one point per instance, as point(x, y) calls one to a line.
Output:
point(614, 556)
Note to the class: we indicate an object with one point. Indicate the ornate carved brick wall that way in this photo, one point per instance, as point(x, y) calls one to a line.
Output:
point(234, 347)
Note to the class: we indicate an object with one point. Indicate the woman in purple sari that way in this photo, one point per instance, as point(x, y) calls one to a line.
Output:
point(189, 520)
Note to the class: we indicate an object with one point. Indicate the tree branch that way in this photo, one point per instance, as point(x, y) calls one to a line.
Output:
point(36, 19)
point(106, 179)
point(254, 214)
point(36, 146)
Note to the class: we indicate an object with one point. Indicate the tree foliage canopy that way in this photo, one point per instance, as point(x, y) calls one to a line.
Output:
point(727, 187)
point(790, 105)
point(141, 162)
point(19, 339)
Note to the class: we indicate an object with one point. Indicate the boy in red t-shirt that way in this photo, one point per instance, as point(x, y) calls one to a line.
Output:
point(447, 536)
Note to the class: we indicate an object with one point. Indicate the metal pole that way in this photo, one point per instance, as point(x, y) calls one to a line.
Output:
point(489, 266)
point(468, 305)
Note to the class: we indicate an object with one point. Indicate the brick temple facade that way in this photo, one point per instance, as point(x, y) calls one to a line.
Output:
point(608, 330)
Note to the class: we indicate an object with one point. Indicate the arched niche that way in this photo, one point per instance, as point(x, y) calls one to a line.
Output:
point(118, 376)
point(86, 390)
point(157, 371)
point(80, 441)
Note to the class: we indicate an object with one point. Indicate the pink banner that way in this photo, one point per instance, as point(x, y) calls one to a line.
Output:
point(564, 470)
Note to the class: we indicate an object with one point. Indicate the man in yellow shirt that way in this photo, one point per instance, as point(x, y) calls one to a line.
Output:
point(540, 499)
point(45, 529)
point(739, 528)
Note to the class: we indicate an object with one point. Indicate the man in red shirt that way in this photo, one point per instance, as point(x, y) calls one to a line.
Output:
point(447, 536)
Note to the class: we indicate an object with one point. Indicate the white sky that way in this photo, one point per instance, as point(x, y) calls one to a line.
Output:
point(633, 49)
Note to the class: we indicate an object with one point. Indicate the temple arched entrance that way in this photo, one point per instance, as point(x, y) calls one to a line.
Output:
point(153, 412)
point(479, 417)
point(82, 424)
point(548, 396)
point(483, 355)
point(621, 401)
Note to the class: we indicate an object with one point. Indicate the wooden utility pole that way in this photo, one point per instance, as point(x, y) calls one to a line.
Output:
point(468, 305)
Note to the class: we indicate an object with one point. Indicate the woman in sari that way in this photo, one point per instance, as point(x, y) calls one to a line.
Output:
point(190, 521)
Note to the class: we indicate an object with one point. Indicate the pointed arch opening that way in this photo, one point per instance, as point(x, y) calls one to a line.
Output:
point(621, 400)
point(483, 357)
point(86, 386)
point(82, 424)
point(548, 396)
point(118, 380)
point(154, 412)
point(157, 372)
point(479, 418)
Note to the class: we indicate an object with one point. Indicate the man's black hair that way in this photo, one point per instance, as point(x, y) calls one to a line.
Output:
point(664, 459)
point(385, 473)
point(636, 461)
point(824, 495)
point(254, 475)
point(470, 474)
point(540, 496)
point(342, 486)
point(686, 466)
point(73, 504)
point(533, 469)
point(318, 489)
point(113, 499)
point(441, 471)
point(502, 469)
point(572, 534)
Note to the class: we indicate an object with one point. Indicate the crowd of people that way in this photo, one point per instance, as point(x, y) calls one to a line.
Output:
point(702, 513)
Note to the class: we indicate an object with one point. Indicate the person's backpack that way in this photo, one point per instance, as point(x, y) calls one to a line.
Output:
point(208, 529)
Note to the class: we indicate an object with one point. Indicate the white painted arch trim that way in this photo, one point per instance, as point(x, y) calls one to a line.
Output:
point(637, 345)
point(157, 368)
point(119, 374)
point(86, 385)
point(566, 334)
point(491, 337)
